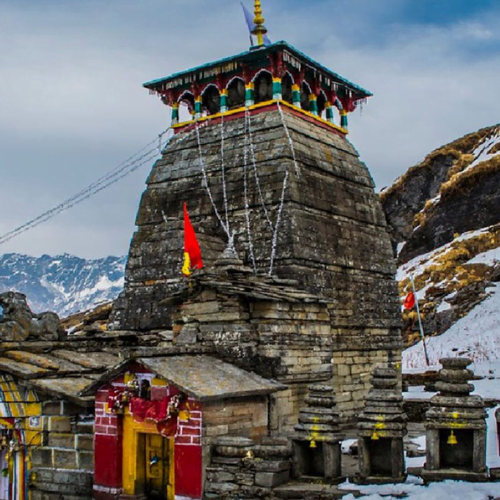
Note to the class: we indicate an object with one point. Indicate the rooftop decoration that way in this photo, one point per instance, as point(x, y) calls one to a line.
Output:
point(265, 74)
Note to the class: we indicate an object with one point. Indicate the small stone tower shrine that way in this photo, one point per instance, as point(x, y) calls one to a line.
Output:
point(382, 426)
point(265, 167)
point(316, 444)
point(455, 427)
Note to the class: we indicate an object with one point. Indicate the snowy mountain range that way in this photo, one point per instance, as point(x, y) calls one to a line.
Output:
point(64, 284)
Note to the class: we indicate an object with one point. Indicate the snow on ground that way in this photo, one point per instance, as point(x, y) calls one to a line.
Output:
point(489, 257)
point(415, 490)
point(476, 335)
point(417, 265)
point(482, 152)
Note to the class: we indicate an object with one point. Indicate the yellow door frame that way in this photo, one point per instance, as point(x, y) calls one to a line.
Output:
point(133, 475)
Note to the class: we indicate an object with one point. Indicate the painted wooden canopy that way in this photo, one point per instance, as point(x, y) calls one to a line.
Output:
point(273, 72)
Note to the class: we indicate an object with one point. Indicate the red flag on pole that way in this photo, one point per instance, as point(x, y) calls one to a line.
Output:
point(409, 302)
point(192, 252)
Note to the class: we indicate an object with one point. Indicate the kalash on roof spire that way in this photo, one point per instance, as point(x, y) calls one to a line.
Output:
point(265, 76)
point(259, 29)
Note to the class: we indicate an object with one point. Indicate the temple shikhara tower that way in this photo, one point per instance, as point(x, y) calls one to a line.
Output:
point(296, 291)
point(270, 180)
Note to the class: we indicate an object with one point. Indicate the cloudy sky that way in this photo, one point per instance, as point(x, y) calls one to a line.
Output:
point(72, 106)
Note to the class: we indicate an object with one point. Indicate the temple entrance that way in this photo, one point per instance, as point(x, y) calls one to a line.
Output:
point(156, 464)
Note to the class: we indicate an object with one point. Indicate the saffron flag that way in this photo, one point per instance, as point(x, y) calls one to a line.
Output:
point(409, 302)
point(192, 252)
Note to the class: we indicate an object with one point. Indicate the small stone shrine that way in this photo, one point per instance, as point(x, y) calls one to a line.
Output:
point(455, 427)
point(382, 426)
point(316, 444)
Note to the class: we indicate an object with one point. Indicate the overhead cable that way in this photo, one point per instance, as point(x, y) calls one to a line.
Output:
point(131, 164)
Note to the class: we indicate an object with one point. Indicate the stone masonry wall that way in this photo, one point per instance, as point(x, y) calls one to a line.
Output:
point(63, 466)
point(246, 417)
point(333, 236)
point(332, 240)
point(352, 371)
point(243, 469)
point(286, 341)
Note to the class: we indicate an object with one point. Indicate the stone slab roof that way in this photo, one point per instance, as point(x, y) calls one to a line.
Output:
point(203, 377)
point(256, 287)
point(64, 368)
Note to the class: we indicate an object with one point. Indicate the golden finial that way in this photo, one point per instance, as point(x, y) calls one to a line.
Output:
point(259, 29)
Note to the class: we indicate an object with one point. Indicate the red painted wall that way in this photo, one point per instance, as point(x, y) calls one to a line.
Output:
point(107, 450)
point(188, 456)
point(188, 473)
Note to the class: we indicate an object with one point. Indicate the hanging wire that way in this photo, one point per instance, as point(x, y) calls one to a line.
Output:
point(245, 193)
point(206, 185)
point(290, 141)
point(278, 221)
point(257, 180)
point(283, 192)
point(127, 167)
point(223, 168)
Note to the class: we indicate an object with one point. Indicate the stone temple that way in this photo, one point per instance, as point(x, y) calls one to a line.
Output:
point(228, 380)
point(271, 180)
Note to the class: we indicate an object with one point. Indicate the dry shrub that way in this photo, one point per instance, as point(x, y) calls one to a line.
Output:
point(461, 164)
point(469, 142)
point(458, 149)
point(450, 269)
point(495, 149)
point(462, 183)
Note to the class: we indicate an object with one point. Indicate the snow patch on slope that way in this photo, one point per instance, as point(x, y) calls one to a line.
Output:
point(418, 264)
point(476, 336)
point(482, 152)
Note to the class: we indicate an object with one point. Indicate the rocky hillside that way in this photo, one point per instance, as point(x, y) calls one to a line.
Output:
point(64, 284)
point(444, 218)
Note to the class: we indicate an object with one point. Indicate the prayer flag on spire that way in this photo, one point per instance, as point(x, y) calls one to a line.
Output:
point(192, 252)
point(409, 302)
point(251, 25)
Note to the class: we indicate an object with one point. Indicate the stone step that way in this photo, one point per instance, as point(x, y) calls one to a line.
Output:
point(311, 491)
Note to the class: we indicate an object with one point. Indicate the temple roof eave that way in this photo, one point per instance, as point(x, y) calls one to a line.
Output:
point(250, 54)
point(202, 377)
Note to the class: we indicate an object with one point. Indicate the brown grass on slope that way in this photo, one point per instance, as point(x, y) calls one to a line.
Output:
point(458, 148)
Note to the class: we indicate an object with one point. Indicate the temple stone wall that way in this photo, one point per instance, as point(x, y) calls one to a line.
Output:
point(287, 339)
point(240, 468)
point(285, 407)
point(351, 376)
point(63, 466)
point(333, 236)
point(332, 242)
point(236, 417)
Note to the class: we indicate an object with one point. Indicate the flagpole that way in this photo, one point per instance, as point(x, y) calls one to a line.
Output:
point(419, 321)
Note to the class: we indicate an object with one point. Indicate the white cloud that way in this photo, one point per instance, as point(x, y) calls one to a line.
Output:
point(73, 107)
